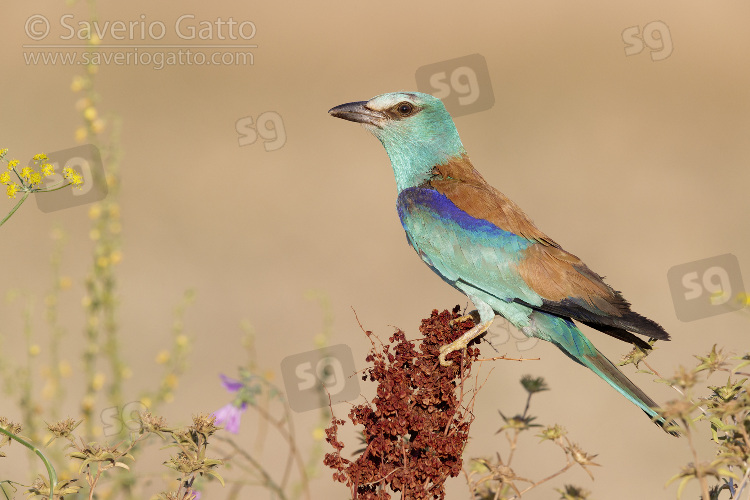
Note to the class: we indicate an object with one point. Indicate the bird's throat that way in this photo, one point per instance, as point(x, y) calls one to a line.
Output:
point(413, 163)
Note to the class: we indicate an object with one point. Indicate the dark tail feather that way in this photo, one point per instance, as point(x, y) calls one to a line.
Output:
point(619, 327)
point(619, 334)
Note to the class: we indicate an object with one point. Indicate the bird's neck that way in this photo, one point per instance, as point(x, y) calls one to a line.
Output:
point(413, 162)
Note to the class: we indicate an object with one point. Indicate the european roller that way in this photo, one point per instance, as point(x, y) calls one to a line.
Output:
point(481, 243)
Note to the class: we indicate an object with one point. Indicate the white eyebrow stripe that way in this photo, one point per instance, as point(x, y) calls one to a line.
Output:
point(386, 101)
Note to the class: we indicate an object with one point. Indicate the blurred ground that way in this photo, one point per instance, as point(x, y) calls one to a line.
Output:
point(634, 163)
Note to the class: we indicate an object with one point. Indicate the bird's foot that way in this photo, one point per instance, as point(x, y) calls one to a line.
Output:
point(463, 341)
point(473, 315)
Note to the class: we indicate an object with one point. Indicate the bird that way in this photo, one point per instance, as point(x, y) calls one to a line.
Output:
point(481, 243)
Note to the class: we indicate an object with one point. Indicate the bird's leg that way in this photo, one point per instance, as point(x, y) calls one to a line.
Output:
point(463, 341)
point(473, 315)
point(483, 316)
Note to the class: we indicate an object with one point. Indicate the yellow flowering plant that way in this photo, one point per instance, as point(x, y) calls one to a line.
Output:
point(29, 179)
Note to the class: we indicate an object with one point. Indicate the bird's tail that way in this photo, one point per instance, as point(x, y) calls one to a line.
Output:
point(565, 335)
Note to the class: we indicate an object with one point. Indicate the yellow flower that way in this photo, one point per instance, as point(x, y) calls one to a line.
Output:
point(12, 164)
point(72, 176)
point(98, 381)
point(81, 134)
point(318, 434)
point(3, 152)
point(65, 282)
point(48, 169)
point(40, 157)
point(182, 341)
point(26, 172)
point(35, 178)
point(12, 190)
point(83, 103)
point(5, 177)
point(34, 350)
point(97, 125)
point(162, 357)
point(171, 381)
point(77, 83)
point(320, 340)
point(90, 113)
point(87, 403)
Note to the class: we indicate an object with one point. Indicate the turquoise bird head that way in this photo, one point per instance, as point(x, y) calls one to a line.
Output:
point(416, 130)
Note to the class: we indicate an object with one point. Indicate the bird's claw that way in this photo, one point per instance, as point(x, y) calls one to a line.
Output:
point(473, 315)
point(458, 320)
point(446, 350)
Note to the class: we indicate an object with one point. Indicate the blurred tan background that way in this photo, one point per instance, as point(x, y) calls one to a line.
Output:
point(633, 164)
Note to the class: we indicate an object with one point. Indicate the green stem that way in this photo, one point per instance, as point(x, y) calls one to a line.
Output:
point(268, 480)
point(26, 195)
point(50, 470)
point(54, 189)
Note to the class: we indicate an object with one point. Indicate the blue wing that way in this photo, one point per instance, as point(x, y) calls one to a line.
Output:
point(471, 254)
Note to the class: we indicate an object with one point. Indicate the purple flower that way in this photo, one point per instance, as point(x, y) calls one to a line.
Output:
point(230, 384)
point(229, 415)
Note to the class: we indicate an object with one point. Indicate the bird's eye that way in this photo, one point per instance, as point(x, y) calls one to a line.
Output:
point(405, 108)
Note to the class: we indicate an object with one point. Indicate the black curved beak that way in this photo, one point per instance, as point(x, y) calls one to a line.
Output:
point(358, 112)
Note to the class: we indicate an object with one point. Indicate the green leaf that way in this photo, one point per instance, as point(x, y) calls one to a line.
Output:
point(217, 476)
